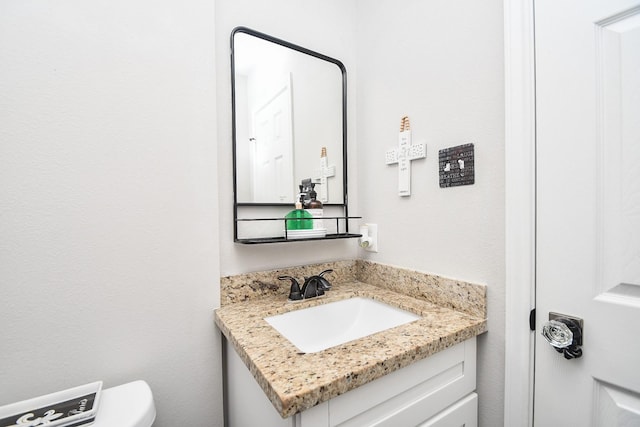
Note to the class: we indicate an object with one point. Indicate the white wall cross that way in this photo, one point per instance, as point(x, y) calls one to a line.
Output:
point(322, 174)
point(403, 156)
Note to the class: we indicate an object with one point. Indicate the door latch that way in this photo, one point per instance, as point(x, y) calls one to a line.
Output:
point(564, 333)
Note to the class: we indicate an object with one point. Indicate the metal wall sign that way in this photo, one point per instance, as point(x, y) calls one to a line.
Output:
point(456, 165)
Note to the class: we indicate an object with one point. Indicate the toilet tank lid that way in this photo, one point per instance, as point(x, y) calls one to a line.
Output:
point(127, 405)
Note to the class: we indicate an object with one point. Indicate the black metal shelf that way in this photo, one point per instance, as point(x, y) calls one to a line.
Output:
point(260, 240)
point(283, 239)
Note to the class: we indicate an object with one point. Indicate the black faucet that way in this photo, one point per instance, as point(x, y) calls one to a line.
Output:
point(294, 292)
point(313, 286)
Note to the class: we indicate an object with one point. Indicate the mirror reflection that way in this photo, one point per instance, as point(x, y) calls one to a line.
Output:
point(288, 118)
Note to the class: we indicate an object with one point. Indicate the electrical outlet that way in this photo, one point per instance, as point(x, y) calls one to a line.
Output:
point(369, 239)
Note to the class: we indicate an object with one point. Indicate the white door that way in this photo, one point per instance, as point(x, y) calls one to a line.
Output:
point(273, 150)
point(588, 208)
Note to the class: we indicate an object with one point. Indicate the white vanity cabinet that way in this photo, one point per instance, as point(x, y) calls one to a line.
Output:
point(436, 391)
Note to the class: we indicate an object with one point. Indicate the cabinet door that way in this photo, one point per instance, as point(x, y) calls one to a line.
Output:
point(245, 402)
point(463, 413)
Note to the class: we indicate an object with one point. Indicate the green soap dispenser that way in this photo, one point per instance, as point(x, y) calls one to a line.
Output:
point(299, 219)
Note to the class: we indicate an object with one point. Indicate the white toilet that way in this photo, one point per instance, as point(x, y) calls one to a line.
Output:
point(127, 405)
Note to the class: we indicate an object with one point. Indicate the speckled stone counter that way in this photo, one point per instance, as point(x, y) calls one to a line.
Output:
point(294, 381)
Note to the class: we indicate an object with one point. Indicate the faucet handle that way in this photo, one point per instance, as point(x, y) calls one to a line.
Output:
point(294, 292)
point(324, 283)
point(329, 270)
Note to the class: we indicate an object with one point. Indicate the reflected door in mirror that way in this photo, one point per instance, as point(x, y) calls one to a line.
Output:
point(273, 149)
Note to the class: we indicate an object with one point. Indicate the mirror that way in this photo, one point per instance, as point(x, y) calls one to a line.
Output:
point(289, 121)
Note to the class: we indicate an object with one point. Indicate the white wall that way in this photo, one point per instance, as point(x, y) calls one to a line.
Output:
point(108, 190)
point(440, 63)
point(326, 26)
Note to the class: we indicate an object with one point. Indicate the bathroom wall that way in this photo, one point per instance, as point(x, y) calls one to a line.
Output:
point(114, 173)
point(440, 63)
point(321, 25)
point(108, 201)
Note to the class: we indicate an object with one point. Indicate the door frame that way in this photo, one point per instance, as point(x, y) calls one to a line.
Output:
point(520, 210)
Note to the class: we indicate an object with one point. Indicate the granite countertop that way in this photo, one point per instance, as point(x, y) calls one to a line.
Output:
point(294, 381)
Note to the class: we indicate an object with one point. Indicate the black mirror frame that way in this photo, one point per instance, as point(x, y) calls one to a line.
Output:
point(304, 50)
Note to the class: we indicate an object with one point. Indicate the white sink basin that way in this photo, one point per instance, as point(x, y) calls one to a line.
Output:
point(317, 328)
